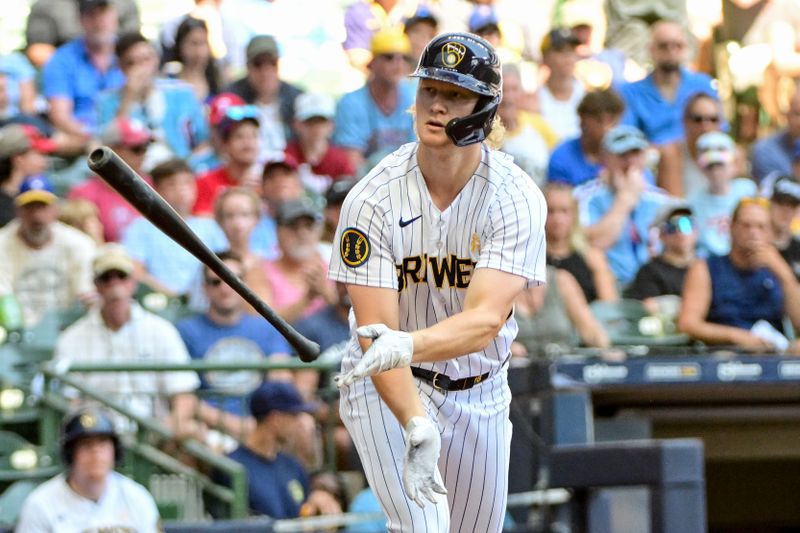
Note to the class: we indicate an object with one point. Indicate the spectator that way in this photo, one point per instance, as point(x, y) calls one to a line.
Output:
point(568, 250)
point(81, 69)
point(238, 130)
point(702, 114)
point(89, 495)
point(373, 120)
point(46, 264)
point(297, 278)
point(191, 57)
point(724, 297)
point(168, 107)
point(560, 95)
point(52, 23)
point(320, 162)
point(82, 215)
point(576, 161)
point(278, 483)
point(420, 28)
point(21, 91)
point(484, 23)
point(280, 183)
point(783, 210)
point(129, 138)
point(664, 274)
point(273, 98)
point(120, 330)
point(528, 138)
point(555, 313)
point(210, 158)
point(364, 18)
point(160, 263)
point(225, 333)
point(334, 197)
point(774, 153)
point(328, 327)
point(237, 211)
point(21, 156)
point(620, 206)
point(716, 157)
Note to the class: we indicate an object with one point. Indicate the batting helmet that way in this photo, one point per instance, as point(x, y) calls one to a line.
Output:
point(88, 422)
point(470, 62)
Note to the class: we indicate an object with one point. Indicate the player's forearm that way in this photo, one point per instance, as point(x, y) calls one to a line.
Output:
point(398, 389)
point(466, 332)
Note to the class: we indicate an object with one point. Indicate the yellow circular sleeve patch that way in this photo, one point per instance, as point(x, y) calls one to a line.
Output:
point(354, 247)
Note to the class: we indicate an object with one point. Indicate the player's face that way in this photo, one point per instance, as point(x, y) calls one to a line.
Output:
point(93, 458)
point(437, 104)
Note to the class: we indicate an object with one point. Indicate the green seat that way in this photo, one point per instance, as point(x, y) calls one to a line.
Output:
point(622, 320)
point(12, 498)
point(19, 459)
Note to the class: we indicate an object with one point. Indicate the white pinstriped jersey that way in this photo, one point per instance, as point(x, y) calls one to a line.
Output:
point(391, 235)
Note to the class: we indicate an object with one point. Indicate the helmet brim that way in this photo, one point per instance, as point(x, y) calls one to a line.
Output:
point(456, 78)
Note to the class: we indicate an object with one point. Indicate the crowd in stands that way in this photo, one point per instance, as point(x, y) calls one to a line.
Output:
point(660, 180)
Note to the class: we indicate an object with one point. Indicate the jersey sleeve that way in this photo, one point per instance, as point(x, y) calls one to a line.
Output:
point(513, 238)
point(363, 243)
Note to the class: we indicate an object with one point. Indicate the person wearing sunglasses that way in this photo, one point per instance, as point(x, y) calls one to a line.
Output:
point(784, 204)
point(713, 205)
point(664, 274)
point(702, 114)
point(129, 138)
point(741, 298)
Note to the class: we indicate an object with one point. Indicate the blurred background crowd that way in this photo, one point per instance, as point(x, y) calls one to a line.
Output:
point(665, 135)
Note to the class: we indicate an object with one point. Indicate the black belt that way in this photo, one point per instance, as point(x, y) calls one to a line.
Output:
point(443, 382)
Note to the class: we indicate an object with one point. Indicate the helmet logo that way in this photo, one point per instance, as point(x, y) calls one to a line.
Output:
point(88, 421)
point(453, 53)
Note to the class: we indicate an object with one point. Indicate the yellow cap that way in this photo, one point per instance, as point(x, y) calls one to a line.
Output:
point(390, 41)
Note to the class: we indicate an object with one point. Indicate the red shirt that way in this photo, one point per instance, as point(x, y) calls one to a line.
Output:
point(115, 212)
point(209, 185)
point(335, 163)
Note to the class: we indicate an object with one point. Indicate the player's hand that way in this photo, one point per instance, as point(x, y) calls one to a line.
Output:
point(390, 349)
point(422, 455)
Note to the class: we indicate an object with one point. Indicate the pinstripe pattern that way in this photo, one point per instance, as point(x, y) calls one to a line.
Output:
point(496, 221)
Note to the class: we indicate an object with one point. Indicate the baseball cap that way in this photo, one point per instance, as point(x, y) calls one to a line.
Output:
point(714, 147)
point(558, 39)
point(127, 132)
point(291, 210)
point(236, 114)
point(481, 18)
point(17, 139)
point(624, 138)
point(389, 41)
point(422, 14)
point(280, 396)
point(219, 104)
point(309, 105)
point(288, 162)
point(672, 210)
point(35, 189)
point(87, 5)
point(262, 45)
point(786, 190)
point(110, 257)
point(338, 191)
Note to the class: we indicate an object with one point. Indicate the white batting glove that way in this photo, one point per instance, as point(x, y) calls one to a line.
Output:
point(422, 455)
point(390, 349)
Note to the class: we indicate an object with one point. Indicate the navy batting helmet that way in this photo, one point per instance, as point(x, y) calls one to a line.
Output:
point(88, 422)
point(470, 62)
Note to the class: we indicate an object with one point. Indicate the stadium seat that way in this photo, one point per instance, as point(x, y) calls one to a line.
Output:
point(627, 322)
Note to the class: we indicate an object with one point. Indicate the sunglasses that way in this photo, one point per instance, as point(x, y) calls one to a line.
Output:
point(699, 119)
point(666, 45)
point(107, 277)
point(680, 224)
point(238, 113)
point(264, 61)
point(392, 57)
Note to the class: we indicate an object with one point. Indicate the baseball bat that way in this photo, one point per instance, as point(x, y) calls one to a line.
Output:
point(109, 166)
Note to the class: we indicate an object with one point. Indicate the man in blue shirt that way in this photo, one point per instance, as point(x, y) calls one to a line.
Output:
point(225, 333)
point(577, 160)
point(775, 153)
point(79, 70)
point(373, 120)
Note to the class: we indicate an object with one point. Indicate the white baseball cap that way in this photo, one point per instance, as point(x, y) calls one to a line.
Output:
point(309, 105)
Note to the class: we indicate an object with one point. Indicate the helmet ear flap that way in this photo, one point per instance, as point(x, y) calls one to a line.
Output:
point(474, 128)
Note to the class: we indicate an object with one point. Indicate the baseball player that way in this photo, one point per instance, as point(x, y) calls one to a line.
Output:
point(434, 245)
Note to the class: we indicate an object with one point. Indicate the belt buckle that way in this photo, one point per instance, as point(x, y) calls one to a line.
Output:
point(433, 381)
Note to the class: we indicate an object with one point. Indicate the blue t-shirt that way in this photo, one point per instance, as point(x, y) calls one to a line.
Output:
point(568, 164)
point(631, 250)
point(165, 260)
point(264, 239)
point(713, 216)
point(249, 340)
point(771, 154)
point(361, 125)
point(70, 74)
point(659, 119)
point(277, 488)
point(172, 111)
point(17, 69)
point(325, 327)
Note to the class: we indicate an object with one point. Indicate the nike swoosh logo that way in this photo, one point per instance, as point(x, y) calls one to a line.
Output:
point(404, 223)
